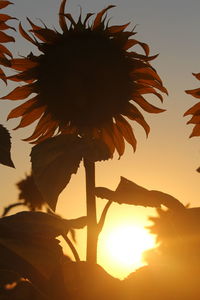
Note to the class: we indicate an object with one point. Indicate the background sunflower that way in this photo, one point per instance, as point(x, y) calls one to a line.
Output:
point(194, 110)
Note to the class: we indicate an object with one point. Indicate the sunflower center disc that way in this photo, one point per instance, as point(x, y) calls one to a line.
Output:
point(84, 79)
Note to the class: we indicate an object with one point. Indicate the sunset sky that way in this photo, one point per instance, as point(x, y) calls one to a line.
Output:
point(168, 159)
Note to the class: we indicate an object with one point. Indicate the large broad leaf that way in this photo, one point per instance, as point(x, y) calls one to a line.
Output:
point(5, 147)
point(30, 238)
point(53, 163)
point(129, 192)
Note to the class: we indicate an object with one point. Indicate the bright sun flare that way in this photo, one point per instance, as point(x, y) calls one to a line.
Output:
point(127, 243)
point(124, 246)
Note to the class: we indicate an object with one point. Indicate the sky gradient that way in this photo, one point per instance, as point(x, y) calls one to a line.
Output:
point(168, 159)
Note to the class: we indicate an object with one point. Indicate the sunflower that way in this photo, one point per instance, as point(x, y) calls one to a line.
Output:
point(5, 54)
point(29, 193)
point(86, 81)
point(194, 110)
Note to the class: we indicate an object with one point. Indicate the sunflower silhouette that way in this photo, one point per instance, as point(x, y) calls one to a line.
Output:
point(86, 81)
point(29, 193)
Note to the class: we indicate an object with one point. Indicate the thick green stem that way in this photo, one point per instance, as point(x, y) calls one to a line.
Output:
point(92, 230)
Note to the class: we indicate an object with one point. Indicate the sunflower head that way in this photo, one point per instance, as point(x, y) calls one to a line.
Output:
point(86, 81)
point(194, 110)
point(178, 233)
point(29, 193)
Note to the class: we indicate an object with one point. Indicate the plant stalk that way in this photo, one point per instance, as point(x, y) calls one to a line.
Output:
point(92, 227)
point(71, 246)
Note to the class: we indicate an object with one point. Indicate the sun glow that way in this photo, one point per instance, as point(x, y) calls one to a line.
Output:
point(123, 247)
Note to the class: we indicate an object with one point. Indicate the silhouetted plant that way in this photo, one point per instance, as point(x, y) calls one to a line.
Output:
point(97, 77)
point(29, 196)
point(87, 84)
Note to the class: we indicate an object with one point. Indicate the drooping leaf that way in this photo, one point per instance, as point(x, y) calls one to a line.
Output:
point(130, 193)
point(31, 237)
point(53, 163)
point(5, 147)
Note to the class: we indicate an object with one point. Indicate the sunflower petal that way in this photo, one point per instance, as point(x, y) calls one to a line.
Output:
point(126, 130)
point(5, 18)
point(21, 109)
point(4, 26)
point(41, 127)
point(51, 128)
point(22, 64)
point(130, 43)
point(70, 18)
point(195, 93)
point(153, 83)
point(20, 92)
point(142, 89)
point(3, 76)
point(26, 76)
point(25, 35)
point(5, 38)
point(107, 138)
point(146, 105)
point(87, 18)
point(197, 75)
point(140, 56)
point(45, 34)
point(147, 71)
point(4, 61)
point(116, 29)
point(134, 114)
point(194, 120)
point(40, 136)
point(118, 140)
point(34, 26)
point(4, 3)
point(145, 47)
point(31, 117)
point(98, 19)
point(194, 110)
point(4, 50)
point(62, 21)
point(196, 131)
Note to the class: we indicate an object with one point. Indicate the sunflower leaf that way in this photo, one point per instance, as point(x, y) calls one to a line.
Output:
point(5, 147)
point(30, 240)
point(130, 193)
point(53, 162)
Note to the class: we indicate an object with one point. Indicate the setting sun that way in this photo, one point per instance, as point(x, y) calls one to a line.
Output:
point(123, 247)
